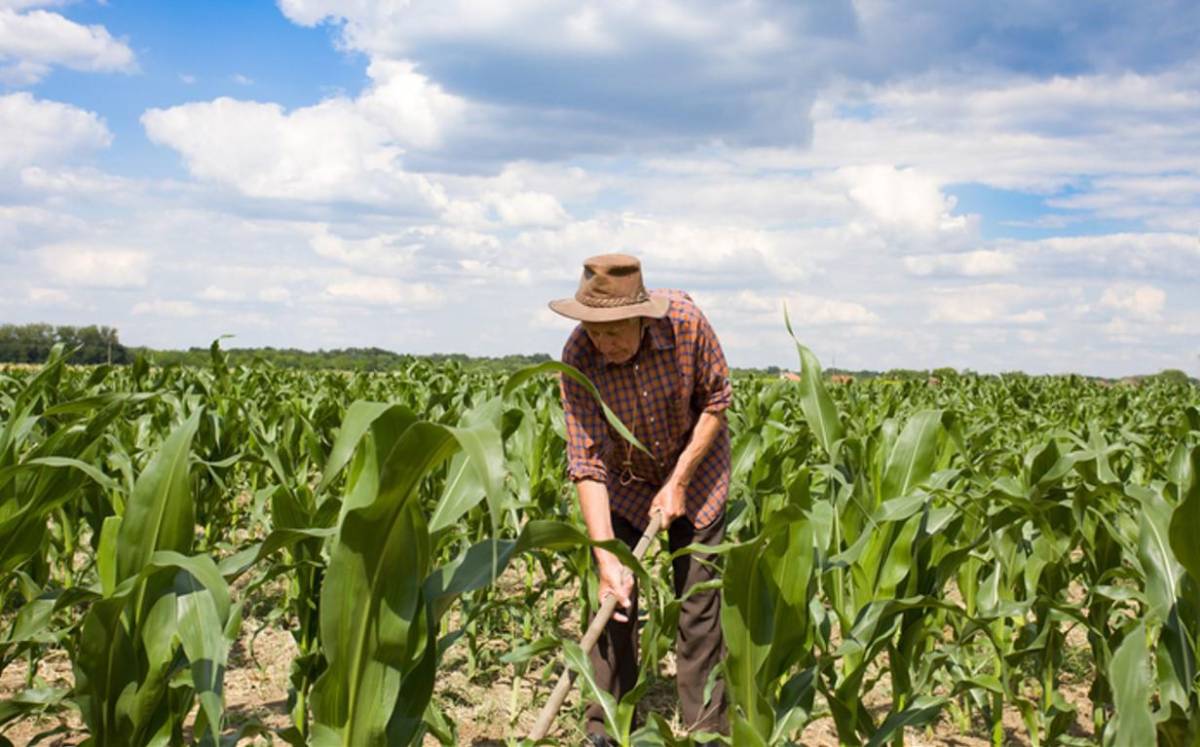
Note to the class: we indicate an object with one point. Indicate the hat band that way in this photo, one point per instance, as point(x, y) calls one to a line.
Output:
point(608, 302)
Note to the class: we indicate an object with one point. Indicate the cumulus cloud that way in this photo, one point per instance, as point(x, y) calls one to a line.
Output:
point(1173, 256)
point(380, 253)
point(49, 296)
point(219, 294)
point(598, 74)
point(679, 249)
point(987, 304)
point(33, 42)
point(527, 209)
point(902, 197)
point(666, 74)
point(36, 130)
point(767, 308)
point(159, 308)
point(274, 294)
point(320, 152)
point(338, 149)
point(979, 263)
point(1010, 132)
point(1141, 301)
point(376, 291)
point(95, 267)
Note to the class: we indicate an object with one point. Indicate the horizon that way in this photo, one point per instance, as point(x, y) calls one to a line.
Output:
point(984, 188)
point(829, 368)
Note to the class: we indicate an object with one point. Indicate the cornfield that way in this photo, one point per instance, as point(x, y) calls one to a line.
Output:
point(903, 559)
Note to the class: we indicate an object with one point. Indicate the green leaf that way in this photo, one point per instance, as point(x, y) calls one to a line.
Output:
point(201, 627)
point(1161, 570)
point(923, 710)
point(520, 377)
point(359, 418)
point(160, 512)
point(913, 455)
point(747, 623)
point(818, 407)
point(1185, 519)
point(1129, 674)
point(578, 661)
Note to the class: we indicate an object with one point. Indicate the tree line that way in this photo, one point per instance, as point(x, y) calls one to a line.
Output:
point(31, 343)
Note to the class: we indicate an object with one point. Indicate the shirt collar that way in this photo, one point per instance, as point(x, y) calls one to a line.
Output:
point(659, 334)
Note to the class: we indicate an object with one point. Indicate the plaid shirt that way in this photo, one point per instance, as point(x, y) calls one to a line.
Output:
point(678, 372)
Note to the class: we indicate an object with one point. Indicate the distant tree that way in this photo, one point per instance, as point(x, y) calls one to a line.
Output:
point(31, 343)
point(1174, 376)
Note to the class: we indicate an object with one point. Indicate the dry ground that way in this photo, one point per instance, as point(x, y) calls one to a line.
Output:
point(489, 708)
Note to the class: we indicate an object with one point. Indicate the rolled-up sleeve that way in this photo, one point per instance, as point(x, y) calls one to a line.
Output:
point(713, 391)
point(587, 433)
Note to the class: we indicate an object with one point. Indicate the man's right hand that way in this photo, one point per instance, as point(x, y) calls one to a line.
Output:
point(616, 580)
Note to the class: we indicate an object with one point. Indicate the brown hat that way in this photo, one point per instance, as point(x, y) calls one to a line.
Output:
point(611, 289)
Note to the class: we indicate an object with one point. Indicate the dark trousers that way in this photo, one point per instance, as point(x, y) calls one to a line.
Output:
point(698, 643)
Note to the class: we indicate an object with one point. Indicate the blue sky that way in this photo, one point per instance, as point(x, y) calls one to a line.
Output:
point(982, 187)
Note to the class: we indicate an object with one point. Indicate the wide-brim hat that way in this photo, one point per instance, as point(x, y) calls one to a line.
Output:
point(611, 289)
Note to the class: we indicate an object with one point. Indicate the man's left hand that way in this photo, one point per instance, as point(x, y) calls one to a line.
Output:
point(670, 500)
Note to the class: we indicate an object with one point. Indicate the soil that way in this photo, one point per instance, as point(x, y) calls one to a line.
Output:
point(496, 704)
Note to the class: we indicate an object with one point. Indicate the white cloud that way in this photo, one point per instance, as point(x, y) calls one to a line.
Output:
point(49, 296)
point(323, 152)
point(32, 43)
point(414, 110)
point(376, 291)
point(274, 294)
point(383, 253)
point(1141, 301)
point(902, 197)
point(94, 266)
point(242, 80)
point(766, 308)
point(585, 72)
point(74, 181)
point(338, 149)
point(25, 222)
point(986, 304)
point(674, 249)
point(1151, 254)
point(1009, 132)
point(979, 263)
point(545, 319)
point(36, 130)
point(219, 294)
point(527, 209)
point(159, 307)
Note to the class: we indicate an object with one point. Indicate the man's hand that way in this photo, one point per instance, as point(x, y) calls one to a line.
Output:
point(616, 580)
point(669, 501)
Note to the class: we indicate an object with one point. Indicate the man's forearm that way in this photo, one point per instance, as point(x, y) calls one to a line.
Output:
point(593, 504)
point(703, 435)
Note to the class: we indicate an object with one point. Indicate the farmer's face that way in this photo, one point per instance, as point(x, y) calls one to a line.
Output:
point(617, 341)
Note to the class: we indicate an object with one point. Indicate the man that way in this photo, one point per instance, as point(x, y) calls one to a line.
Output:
point(658, 365)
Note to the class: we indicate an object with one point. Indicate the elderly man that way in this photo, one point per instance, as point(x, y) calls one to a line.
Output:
point(658, 365)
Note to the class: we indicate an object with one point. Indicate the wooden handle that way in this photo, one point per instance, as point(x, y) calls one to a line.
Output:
point(607, 606)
